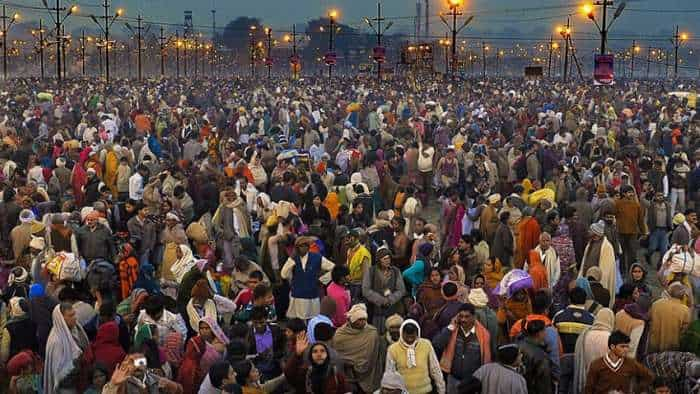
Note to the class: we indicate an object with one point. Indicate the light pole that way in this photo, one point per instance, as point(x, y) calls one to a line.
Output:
point(268, 58)
point(379, 32)
point(294, 59)
point(603, 27)
point(178, 45)
point(5, 28)
point(484, 48)
point(251, 34)
point(566, 34)
point(55, 14)
point(635, 49)
point(332, 15)
point(552, 46)
point(454, 6)
point(40, 33)
point(108, 22)
point(445, 43)
point(137, 32)
point(678, 39)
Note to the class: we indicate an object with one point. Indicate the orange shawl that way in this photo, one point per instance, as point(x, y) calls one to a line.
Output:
point(494, 277)
point(528, 239)
point(537, 271)
point(482, 336)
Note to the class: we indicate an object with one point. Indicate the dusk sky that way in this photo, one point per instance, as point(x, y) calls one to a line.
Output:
point(505, 18)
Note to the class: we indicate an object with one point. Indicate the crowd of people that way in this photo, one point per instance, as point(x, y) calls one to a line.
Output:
point(418, 235)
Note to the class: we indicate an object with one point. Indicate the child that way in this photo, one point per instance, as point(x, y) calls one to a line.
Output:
point(245, 296)
point(262, 296)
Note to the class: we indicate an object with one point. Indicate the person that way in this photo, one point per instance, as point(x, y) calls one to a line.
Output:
point(632, 320)
point(106, 348)
point(463, 346)
point(503, 244)
point(95, 240)
point(359, 261)
point(528, 236)
point(591, 344)
point(615, 371)
point(143, 234)
point(415, 360)
point(357, 343)
point(631, 224)
point(600, 253)
point(415, 274)
point(133, 379)
point(20, 331)
point(67, 349)
point(383, 288)
point(502, 377)
point(338, 291)
point(541, 304)
point(430, 294)
point(316, 377)
point(326, 311)
point(669, 320)
point(549, 258)
point(266, 342)
point(249, 378)
point(154, 313)
point(538, 369)
point(220, 375)
point(659, 222)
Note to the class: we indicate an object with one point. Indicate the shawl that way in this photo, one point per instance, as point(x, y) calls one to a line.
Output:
point(190, 374)
point(355, 262)
point(592, 344)
point(106, 347)
point(537, 271)
point(78, 180)
point(183, 265)
point(455, 233)
point(493, 278)
point(62, 350)
point(193, 315)
point(482, 336)
point(128, 274)
point(410, 349)
point(552, 265)
point(110, 174)
point(528, 238)
point(215, 329)
point(360, 348)
point(608, 267)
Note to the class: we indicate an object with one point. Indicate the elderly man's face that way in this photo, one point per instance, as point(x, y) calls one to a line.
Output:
point(545, 241)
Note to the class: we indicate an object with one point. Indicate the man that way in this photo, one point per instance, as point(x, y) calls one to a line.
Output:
point(614, 372)
point(414, 359)
point(95, 240)
point(570, 322)
point(488, 220)
point(326, 312)
point(528, 236)
point(154, 312)
point(359, 261)
point(242, 268)
point(464, 346)
point(143, 234)
point(659, 222)
point(357, 343)
point(600, 253)
point(502, 377)
point(669, 320)
point(400, 244)
point(227, 225)
point(21, 234)
point(535, 359)
point(629, 217)
point(9, 214)
point(136, 183)
point(266, 342)
point(503, 243)
point(682, 233)
point(304, 271)
point(549, 258)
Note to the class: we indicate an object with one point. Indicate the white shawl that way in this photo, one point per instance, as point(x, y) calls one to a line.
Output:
point(183, 265)
point(61, 351)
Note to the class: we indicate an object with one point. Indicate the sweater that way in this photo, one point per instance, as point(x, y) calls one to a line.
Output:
point(669, 319)
point(417, 378)
point(630, 217)
point(601, 379)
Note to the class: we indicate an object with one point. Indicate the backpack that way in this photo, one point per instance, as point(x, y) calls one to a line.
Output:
point(101, 272)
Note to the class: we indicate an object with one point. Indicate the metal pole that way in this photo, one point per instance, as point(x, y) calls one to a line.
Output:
point(252, 55)
point(453, 49)
point(138, 46)
point(483, 59)
point(269, 50)
point(668, 55)
point(177, 54)
point(63, 50)
point(330, 44)
point(676, 44)
point(59, 40)
point(379, 37)
point(634, 48)
point(549, 60)
point(294, 51)
point(4, 43)
point(106, 8)
point(41, 47)
point(196, 57)
point(604, 31)
point(162, 52)
point(82, 50)
point(648, 61)
point(566, 50)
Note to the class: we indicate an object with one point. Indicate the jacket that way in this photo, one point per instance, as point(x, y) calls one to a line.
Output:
point(629, 217)
point(537, 367)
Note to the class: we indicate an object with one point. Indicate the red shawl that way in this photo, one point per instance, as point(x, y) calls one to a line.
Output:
point(78, 179)
point(190, 375)
point(106, 347)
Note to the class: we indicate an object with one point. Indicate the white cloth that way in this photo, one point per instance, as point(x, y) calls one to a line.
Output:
point(299, 307)
point(136, 187)
point(61, 351)
point(183, 265)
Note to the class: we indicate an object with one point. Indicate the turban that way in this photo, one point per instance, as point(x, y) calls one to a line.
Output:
point(18, 275)
point(394, 320)
point(678, 219)
point(60, 162)
point(383, 252)
point(172, 216)
point(37, 243)
point(357, 312)
point(598, 228)
point(36, 290)
point(26, 216)
point(595, 273)
point(494, 198)
point(16, 308)
point(478, 297)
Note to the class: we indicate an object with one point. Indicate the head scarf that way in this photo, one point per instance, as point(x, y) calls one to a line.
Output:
point(61, 350)
point(215, 329)
point(604, 320)
point(317, 374)
point(640, 309)
point(37, 243)
point(394, 320)
point(410, 349)
point(478, 297)
point(16, 309)
point(18, 275)
point(598, 228)
point(357, 312)
point(36, 290)
point(584, 284)
point(184, 264)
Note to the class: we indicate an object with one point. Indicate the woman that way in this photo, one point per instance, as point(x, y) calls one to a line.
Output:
point(416, 273)
point(493, 272)
point(215, 342)
point(128, 269)
point(592, 344)
point(185, 261)
point(316, 212)
point(201, 352)
point(316, 377)
point(248, 377)
point(479, 282)
point(537, 271)
point(171, 237)
point(633, 321)
point(429, 294)
point(67, 349)
point(383, 288)
point(200, 305)
point(564, 247)
point(106, 347)
point(638, 279)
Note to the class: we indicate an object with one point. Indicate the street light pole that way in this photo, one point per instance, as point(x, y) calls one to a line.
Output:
point(41, 47)
point(648, 61)
point(566, 34)
point(252, 50)
point(162, 51)
point(604, 31)
point(331, 16)
point(483, 59)
point(635, 49)
point(268, 58)
point(549, 59)
point(82, 51)
point(178, 43)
